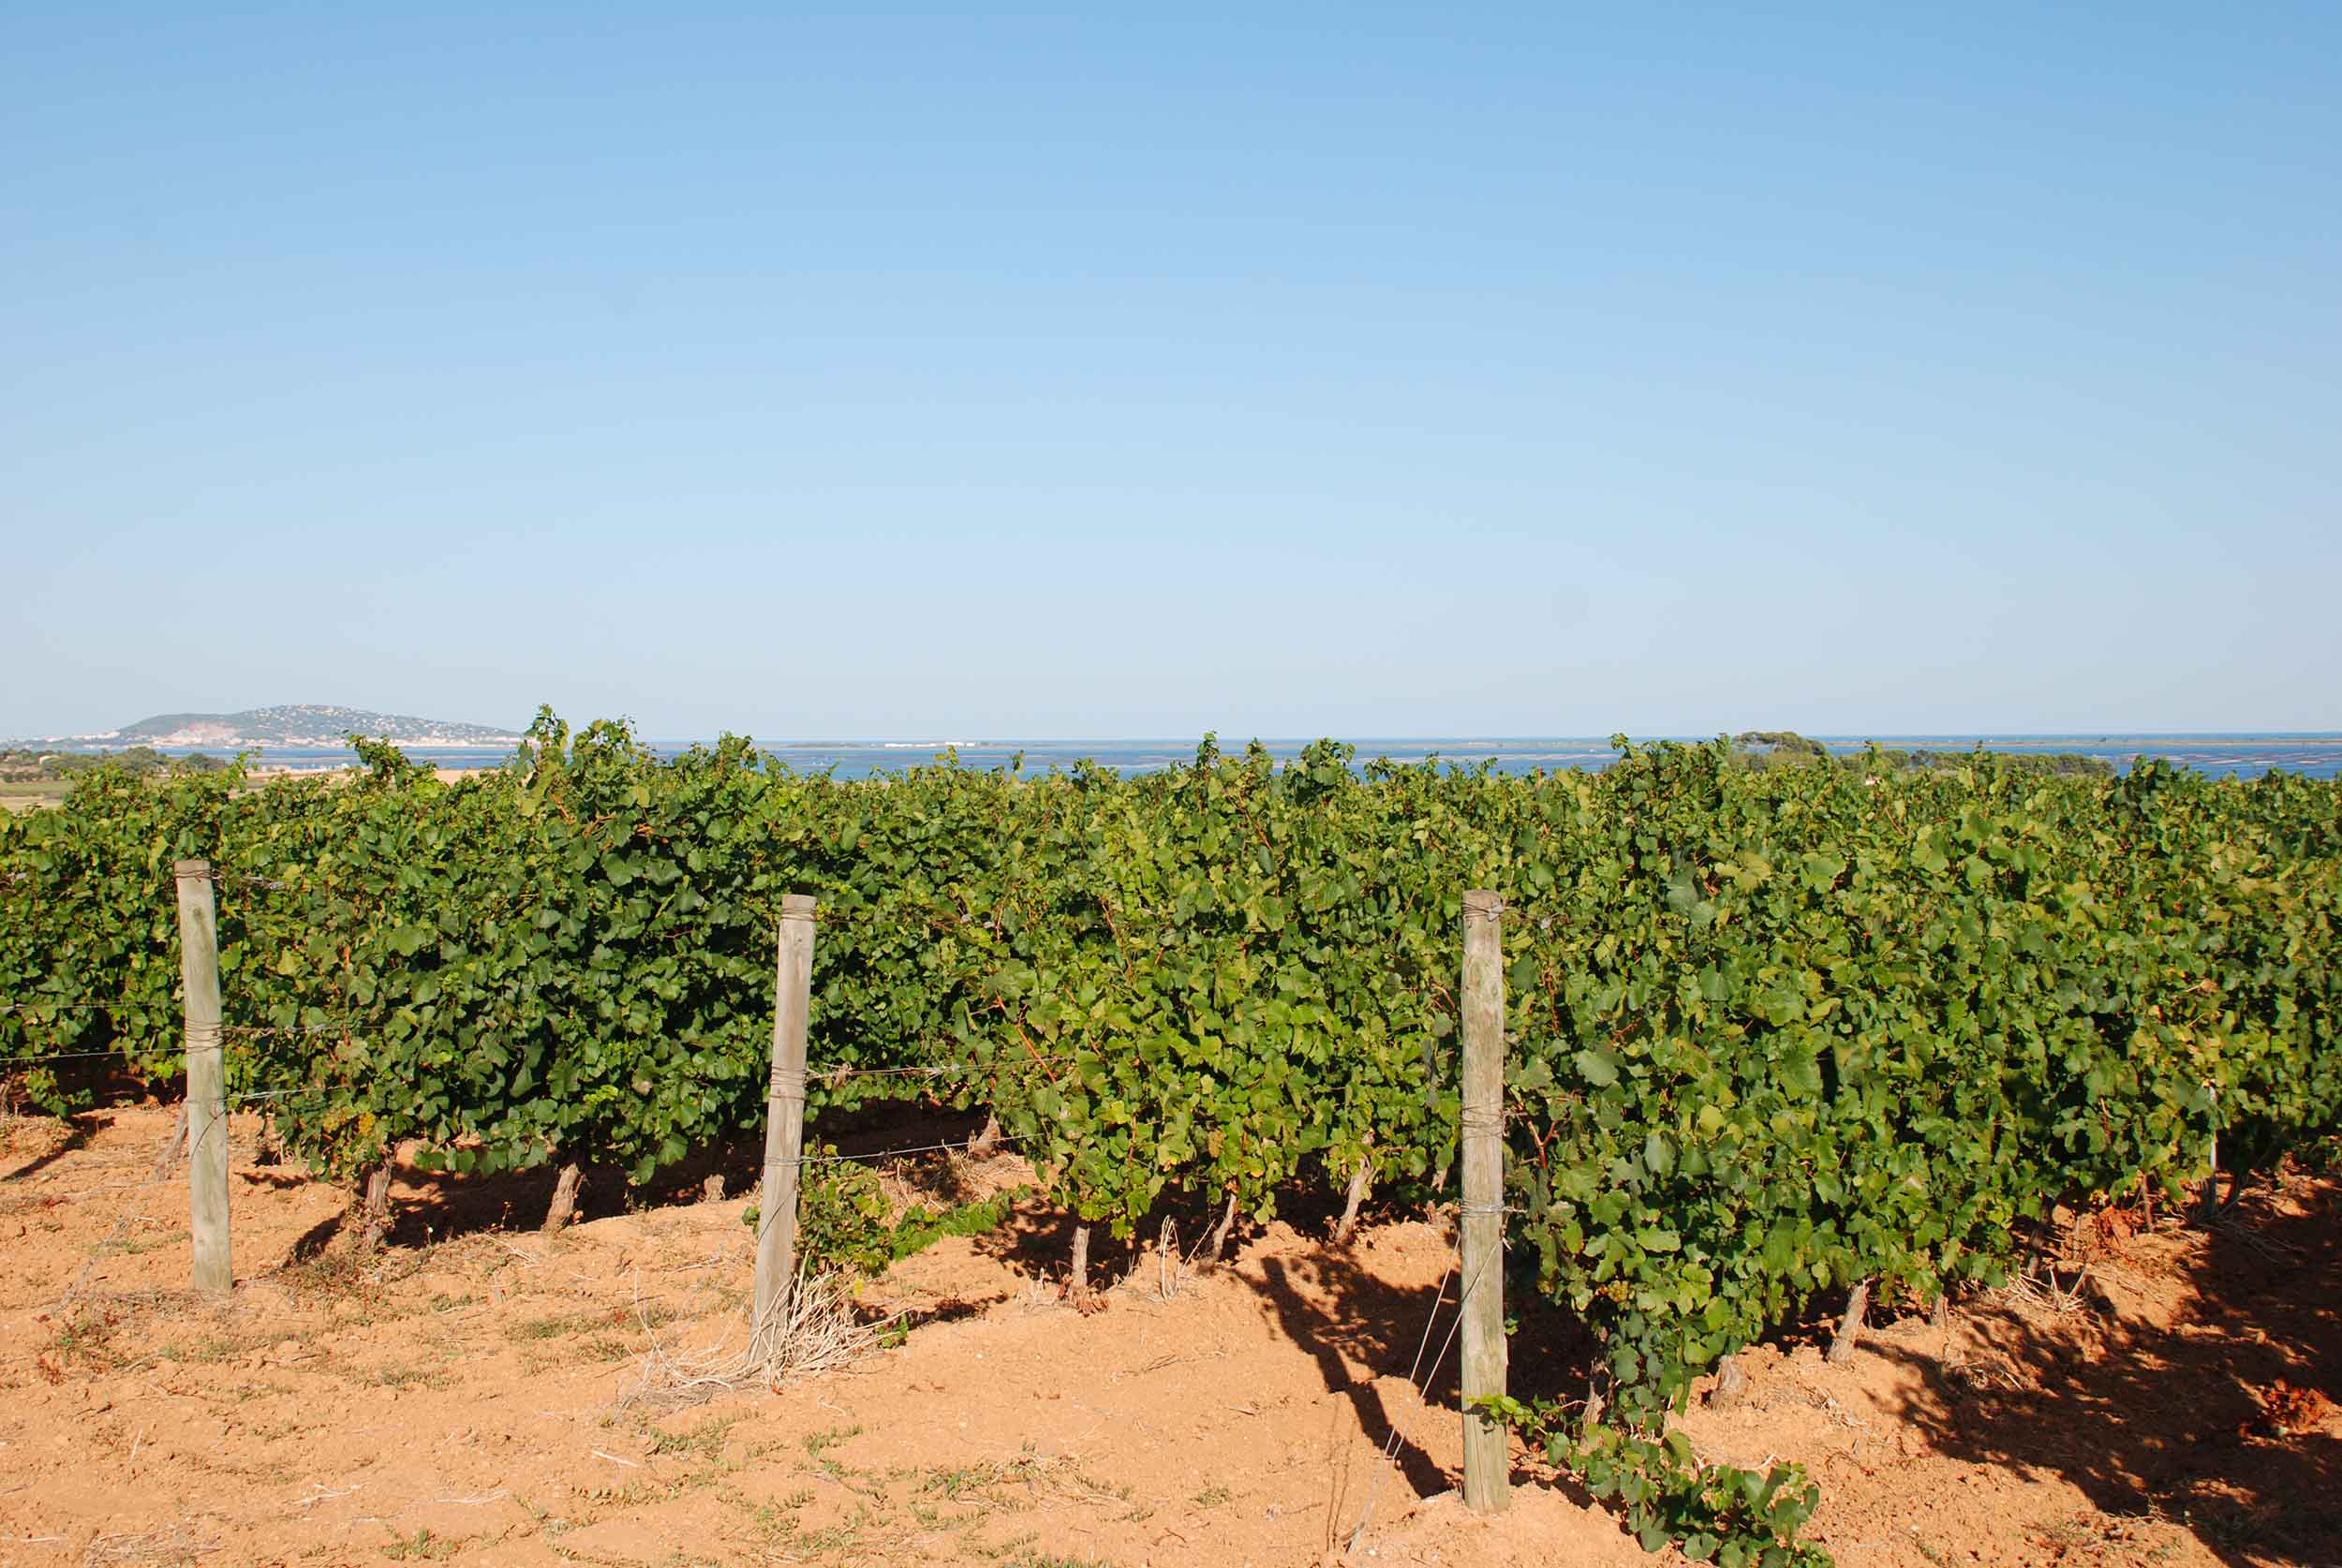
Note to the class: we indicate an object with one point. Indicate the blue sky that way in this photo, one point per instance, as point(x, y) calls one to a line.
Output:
point(1522, 371)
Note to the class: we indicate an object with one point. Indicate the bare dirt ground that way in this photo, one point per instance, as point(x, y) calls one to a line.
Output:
point(455, 1398)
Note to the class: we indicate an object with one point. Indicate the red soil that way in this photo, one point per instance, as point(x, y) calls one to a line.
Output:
point(454, 1398)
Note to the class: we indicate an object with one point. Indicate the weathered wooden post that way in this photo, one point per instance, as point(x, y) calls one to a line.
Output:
point(1486, 1448)
point(207, 1076)
point(784, 1129)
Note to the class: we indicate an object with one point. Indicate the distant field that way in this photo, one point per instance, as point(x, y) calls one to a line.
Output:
point(33, 793)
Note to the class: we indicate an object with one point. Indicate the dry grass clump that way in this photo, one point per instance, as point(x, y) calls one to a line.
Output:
point(814, 1329)
point(178, 1543)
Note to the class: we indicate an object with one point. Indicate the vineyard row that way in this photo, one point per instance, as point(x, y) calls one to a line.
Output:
point(1770, 1034)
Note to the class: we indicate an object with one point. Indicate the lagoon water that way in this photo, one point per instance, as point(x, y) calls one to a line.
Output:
point(2242, 756)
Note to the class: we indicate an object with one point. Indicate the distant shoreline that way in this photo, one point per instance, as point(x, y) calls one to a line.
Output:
point(2242, 754)
point(1962, 740)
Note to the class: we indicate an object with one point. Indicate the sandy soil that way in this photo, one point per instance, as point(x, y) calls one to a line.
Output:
point(455, 1399)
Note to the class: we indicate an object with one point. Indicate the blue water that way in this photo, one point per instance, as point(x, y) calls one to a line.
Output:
point(2317, 755)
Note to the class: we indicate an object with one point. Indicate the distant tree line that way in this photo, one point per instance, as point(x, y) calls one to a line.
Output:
point(1758, 749)
point(25, 764)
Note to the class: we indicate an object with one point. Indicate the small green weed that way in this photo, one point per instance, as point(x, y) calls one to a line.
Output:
point(84, 1341)
point(830, 1437)
point(423, 1547)
point(705, 1440)
point(596, 1320)
point(408, 1377)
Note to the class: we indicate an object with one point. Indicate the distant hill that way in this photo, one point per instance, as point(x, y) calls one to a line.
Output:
point(293, 724)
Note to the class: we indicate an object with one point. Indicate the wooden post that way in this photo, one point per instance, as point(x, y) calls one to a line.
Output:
point(1488, 1460)
point(784, 1129)
point(207, 1076)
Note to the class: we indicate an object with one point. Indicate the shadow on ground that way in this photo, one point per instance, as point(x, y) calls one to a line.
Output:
point(436, 1205)
point(2172, 1422)
point(76, 1139)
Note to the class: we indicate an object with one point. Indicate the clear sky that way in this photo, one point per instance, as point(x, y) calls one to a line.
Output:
point(1525, 370)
